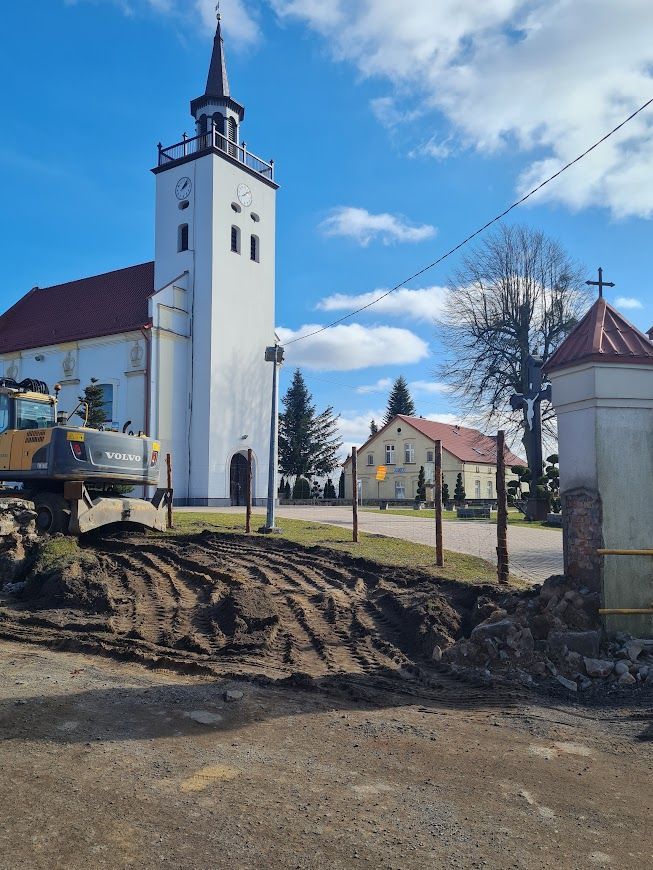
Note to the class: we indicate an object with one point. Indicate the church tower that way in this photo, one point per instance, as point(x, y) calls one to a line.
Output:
point(213, 306)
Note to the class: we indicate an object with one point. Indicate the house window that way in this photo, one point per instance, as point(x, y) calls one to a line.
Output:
point(389, 454)
point(489, 489)
point(235, 240)
point(254, 249)
point(370, 459)
point(400, 489)
point(430, 456)
point(409, 453)
point(477, 489)
point(107, 401)
point(182, 242)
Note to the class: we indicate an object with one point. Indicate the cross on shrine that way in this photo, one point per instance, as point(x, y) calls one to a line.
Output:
point(600, 283)
point(531, 401)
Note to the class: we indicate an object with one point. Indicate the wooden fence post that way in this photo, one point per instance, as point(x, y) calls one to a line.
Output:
point(502, 511)
point(248, 510)
point(354, 481)
point(437, 502)
point(169, 481)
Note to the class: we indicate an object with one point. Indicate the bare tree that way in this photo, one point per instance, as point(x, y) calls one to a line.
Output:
point(518, 292)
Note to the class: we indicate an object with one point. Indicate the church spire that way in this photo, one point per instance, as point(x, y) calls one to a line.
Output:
point(217, 84)
point(217, 106)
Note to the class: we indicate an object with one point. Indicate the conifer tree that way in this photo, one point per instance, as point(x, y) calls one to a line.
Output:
point(400, 401)
point(459, 494)
point(341, 485)
point(421, 485)
point(445, 492)
point(287, 492)
point(315, 490)
point(373, 428)
point(94, 398)
point(329, 489)
point(282, 487)
point(308, 441)
point(301, 489)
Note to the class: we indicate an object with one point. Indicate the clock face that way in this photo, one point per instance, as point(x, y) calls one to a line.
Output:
point(244, 195)
point(183, 188)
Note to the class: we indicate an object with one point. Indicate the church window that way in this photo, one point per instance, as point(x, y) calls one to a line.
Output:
point(254, 249)
point(218, 120)
point(183, 205)
point(107, 401)
point(255, 217)
point(233, 137)
point(235, 207)
point(235, 240)
point(183, 238)
point(203, 125)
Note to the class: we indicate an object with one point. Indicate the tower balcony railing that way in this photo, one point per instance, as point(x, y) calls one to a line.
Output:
point(215, 140)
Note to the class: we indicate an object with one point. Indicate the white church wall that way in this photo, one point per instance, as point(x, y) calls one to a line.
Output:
point(117, 360)
point(231, 303)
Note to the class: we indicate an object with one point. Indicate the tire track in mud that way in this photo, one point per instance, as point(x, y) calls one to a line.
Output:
point(246, 606)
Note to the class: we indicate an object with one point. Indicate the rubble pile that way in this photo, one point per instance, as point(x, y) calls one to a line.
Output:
point(551, 634)
point(18, 538)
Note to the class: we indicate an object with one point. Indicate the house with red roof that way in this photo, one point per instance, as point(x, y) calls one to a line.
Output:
point(177, 344)
point(406, 444)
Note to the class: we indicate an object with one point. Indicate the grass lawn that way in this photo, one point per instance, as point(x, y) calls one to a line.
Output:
point(514, 517)
point(387, 551)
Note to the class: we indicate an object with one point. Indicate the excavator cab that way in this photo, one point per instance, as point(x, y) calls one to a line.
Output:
point(74, 475)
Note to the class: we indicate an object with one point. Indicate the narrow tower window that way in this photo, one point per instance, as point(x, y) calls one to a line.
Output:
point(182, 244)
point(235, 240)
point(254, 249)
point(203, 125)
point(218, 121)
point(233, 136)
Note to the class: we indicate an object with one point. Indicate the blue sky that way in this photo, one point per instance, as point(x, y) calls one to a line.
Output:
point(396, 129)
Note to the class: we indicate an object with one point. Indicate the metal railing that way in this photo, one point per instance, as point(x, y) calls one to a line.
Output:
point(213, 139)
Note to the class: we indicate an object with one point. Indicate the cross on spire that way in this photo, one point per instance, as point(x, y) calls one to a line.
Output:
point(600, 283)
point(217, 11)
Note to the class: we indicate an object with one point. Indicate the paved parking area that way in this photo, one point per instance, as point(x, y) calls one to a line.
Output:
point(535, 553)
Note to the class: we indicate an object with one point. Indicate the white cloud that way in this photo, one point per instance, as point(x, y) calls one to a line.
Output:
point(433, 147)
point(431, 387)
point(348, 347)
point(627, 302)
point(380, 386)
point(419, 305)
point(386, 112)
point(545, 76)
point(363, 227)
point(354, 428)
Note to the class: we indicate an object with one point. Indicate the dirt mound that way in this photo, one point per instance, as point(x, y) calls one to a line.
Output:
point(243, 605)
point(17, 537)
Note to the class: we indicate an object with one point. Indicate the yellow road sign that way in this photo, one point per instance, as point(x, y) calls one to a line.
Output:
point(381, 472)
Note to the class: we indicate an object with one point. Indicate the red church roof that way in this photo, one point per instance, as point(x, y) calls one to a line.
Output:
point(89, 308)
point(467, 445)
point(603, 335)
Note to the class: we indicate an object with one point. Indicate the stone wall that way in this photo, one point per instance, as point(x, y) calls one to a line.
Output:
point(582, 522)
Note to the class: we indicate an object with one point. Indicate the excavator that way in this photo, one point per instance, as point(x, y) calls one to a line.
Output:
point(77, 477)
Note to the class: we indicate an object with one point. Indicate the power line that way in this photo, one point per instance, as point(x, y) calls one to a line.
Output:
point(476, 233)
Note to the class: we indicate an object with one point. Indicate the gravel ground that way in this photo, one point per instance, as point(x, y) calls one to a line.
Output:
point(110, 765)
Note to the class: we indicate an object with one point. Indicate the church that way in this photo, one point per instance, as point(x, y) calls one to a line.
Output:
point(178, 344)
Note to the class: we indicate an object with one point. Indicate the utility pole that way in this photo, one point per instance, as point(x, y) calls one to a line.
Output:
point(275, 356)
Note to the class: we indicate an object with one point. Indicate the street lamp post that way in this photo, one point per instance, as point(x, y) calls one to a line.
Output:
point(275, 356)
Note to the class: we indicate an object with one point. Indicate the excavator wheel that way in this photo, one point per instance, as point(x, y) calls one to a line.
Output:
point(52, 513)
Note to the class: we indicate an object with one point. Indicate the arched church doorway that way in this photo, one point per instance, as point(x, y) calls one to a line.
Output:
point(238, 479)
